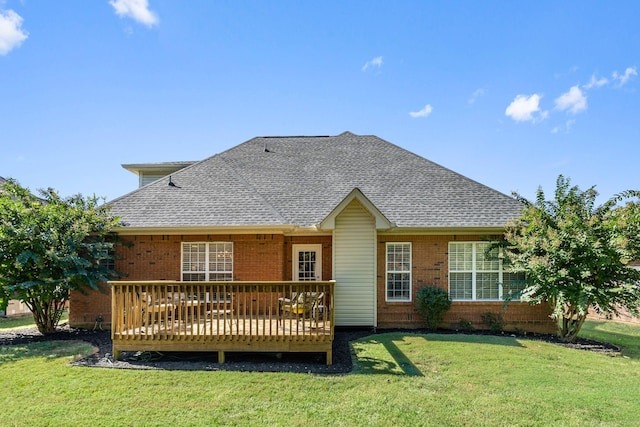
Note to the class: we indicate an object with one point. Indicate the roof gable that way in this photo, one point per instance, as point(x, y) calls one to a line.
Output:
point(329, 223)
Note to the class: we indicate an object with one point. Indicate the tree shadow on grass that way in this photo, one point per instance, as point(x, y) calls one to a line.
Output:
point(627, 341)
point(48, 350)
point(379, 354)
point(389, 359)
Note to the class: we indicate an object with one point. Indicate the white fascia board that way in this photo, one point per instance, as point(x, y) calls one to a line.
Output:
point(168, 167)
point(435, 231)
point(266, 229)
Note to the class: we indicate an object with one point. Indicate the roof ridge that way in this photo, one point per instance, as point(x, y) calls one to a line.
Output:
point(294, 136)
point(445, 168)
point(253, 189)
point(347, 133)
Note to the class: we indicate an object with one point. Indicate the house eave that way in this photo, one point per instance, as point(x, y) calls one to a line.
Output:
point(285, 229)
point(136, 168)
point(435, 231)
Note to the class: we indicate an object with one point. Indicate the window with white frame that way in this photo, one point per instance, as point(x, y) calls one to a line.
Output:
point(399, 271)
point(210, 261)
point(476, 274)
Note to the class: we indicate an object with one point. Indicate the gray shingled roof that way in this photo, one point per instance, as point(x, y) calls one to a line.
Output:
point(300, 180)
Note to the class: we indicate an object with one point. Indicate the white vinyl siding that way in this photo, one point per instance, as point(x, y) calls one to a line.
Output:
point(398, 272)
point(207, 261)
point(475, 275)
point(148, 178)
point(354, 255)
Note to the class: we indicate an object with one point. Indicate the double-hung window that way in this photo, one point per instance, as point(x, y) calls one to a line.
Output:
point(207, 261)
point(398, 271)
point(476, 273)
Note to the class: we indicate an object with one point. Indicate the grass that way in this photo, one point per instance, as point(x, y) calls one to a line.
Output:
point(399, 379)
point(26, 321)
point(624, 335)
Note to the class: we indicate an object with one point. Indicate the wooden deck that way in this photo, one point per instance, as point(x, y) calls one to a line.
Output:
point(222, 316)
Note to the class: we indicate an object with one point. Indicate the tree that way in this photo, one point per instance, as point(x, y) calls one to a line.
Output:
point(49, 246)
point(576, 255)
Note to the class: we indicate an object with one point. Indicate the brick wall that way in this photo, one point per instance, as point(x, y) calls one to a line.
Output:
point(85, 308)
point(269, 257)
point(325, 241)
point(255, 257)
point(430, 268)
point(623, 316)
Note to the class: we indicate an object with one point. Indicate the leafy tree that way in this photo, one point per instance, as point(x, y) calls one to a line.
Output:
point(576, 255)
point(49, 246)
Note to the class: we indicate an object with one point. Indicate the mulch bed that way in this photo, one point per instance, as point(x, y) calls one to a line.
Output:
point(235, 361)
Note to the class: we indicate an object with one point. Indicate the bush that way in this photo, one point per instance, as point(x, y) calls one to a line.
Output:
point(464, 325)
point(494, 321)
point(432, 303)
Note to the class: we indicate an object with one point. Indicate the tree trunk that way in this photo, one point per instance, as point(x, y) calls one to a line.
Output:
point(571, 323)
point(46, 315)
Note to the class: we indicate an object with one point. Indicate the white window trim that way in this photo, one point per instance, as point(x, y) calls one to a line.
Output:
point(474, 272)
point(207, 272)
point(317, 247)
point(387, 271)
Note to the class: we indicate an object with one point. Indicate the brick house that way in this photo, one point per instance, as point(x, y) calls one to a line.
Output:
point(379, 220)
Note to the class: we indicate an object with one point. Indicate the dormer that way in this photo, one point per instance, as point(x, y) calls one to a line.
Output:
point(150, 172)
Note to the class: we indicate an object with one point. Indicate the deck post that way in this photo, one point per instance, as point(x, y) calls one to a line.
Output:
point(221, 357)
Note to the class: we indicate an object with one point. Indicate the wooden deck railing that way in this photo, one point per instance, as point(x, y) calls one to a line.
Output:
point(222, 316)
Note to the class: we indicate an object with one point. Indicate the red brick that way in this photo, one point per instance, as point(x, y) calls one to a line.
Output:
point(268, 257)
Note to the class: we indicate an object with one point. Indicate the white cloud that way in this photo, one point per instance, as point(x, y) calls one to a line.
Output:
point(375, 62)
point(566, 128)
point(622, 79)
point(425, 112)
point(135, 9)
point(595, 82)
point(527, 108)
point(573, 101)
point(11, 33)
point(476, 94)
point(524, 108)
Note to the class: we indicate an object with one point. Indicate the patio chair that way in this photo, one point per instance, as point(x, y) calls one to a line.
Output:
point(320, 308)
point(155, 311)
point(303, 306)
point(219, 306)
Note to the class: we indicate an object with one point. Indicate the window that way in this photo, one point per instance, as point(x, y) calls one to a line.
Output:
point(475, 275)
point(207, 262)
point(398, 271)
point(108, 259)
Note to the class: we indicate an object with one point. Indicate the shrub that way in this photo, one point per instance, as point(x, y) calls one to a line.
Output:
point(521, 332)
point(494, 321)
point(432, 303)
point(464, 325)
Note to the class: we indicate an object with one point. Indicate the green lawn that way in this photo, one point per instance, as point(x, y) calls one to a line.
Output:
point(399, 379)
point(25, 321)
point(623, 335)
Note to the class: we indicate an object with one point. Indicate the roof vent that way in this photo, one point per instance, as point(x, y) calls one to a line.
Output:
point(171, 183)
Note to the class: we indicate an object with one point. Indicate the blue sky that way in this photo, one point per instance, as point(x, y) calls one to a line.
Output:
point(510, 94)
